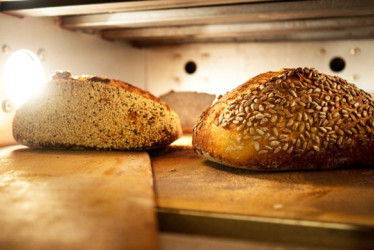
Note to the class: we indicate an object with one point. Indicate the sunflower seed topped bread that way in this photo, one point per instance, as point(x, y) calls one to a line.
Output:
point(95, 112)
point(291, 119)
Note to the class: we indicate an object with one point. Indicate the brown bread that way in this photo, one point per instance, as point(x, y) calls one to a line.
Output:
point(95, 112)
point(188, 105)
point(291, 119)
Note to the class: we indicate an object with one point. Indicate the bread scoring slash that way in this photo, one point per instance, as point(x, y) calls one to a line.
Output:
point(296, 118)
point(95, 112)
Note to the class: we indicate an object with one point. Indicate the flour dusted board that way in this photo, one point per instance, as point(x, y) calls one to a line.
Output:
point(76, 200)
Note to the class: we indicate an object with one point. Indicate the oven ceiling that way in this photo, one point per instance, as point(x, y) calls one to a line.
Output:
point(170, 22)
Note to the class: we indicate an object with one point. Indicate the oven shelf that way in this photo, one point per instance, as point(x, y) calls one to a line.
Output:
point(174, 22)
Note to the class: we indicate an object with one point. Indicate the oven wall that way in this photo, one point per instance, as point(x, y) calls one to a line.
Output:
point(69, 50)
point(81, 53)
point(221, 67)
point(159, 69)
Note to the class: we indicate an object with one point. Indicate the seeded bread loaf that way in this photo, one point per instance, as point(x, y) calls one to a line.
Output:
point(95, 112)
point(188, 105)
point(286, 120)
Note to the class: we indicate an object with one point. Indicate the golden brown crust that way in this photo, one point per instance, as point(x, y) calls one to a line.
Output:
point(291, 119)
point(95, 112)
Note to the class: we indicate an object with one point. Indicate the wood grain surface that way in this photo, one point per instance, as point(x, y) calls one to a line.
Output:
point(184, 181)
point(76, 200)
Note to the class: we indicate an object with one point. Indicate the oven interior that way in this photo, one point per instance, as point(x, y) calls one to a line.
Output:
point(209, 47)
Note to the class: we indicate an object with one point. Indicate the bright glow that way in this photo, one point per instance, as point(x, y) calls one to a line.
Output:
point(185, 140)
point(23, 76)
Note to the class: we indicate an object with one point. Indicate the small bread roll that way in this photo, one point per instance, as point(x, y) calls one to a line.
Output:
point(188, 105)
point(287, 120)
point(95, 112)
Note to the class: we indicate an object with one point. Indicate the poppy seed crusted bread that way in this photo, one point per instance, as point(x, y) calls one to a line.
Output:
point(95, 112)
point(291, 119)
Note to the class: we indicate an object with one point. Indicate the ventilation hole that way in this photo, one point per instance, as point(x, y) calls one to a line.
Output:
point(190, 67)
point(337, 64)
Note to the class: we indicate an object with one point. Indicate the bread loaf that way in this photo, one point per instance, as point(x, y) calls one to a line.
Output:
point(95, 112)
point(188, 105)
point(291, 119)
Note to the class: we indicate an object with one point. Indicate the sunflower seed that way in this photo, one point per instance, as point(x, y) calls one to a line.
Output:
point(275, 131)
point(323, 130)
point(274, 143)
point(289, 123)
point(259, 131)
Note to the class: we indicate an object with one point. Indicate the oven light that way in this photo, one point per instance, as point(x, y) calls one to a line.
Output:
point(23, 76)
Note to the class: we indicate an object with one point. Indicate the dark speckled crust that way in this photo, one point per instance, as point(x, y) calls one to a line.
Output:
point(95, 113)
point(332, 124)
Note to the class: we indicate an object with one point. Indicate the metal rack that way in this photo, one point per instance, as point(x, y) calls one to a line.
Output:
point(170, 22)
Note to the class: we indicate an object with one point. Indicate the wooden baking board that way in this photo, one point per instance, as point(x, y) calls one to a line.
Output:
point(189, 185)
point(76, 200)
